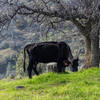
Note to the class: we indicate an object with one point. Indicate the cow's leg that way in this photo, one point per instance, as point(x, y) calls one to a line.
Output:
point(34, 68)
point(59, 66)
point(29, 69)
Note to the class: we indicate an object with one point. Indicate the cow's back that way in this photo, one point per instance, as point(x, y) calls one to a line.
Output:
point(46, 52)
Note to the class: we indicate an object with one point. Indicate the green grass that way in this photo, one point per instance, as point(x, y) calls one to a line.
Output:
point(82, 85)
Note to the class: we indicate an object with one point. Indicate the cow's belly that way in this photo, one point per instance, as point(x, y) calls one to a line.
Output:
point(46, 59)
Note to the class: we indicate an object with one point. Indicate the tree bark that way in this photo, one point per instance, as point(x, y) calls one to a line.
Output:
point(95, 51)
point(88, 52)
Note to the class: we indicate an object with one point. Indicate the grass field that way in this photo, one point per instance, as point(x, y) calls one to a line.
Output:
point(82, 85)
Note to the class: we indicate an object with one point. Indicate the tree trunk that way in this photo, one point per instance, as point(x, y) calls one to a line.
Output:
point(95, 51)
point(88, 51)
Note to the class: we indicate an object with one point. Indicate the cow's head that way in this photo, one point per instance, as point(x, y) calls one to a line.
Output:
point(74, 61)
point(74, 65)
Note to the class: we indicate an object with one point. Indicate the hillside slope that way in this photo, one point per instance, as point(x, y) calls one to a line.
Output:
point(83, 85)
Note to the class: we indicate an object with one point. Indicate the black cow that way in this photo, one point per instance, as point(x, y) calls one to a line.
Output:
point(46, 52)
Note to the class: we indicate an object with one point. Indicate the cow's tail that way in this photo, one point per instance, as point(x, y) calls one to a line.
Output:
point(24, 59)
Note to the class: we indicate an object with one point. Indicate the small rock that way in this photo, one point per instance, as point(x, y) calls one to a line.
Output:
point(20, 87)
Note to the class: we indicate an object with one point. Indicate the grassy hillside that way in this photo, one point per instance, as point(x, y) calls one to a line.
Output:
point(83, 85)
